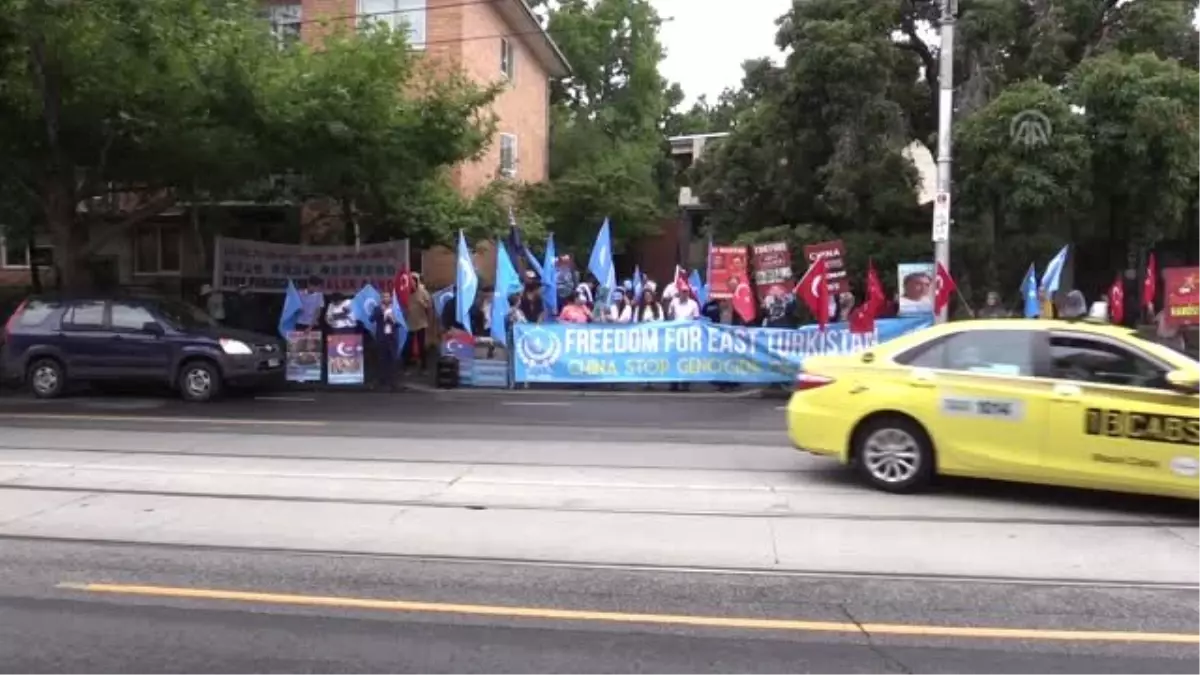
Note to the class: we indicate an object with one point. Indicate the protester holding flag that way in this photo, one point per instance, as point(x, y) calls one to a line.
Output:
point(418, 314)
point(390, 333)
point(813, 289)
point(508, 284)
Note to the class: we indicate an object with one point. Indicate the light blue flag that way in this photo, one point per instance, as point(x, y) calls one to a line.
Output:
point(1053, 274)
point(507, 281)
point(441, 298)
point(698, 287)
point(292, 306)
point(1029, 291)
point(401, 325)
point(362, 306)
point(601, 262)
point(550, 278)
point(637, 283)
point(466, 283)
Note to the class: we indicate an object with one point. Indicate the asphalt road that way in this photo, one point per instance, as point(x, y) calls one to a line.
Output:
point(701, 418)
point(472, 617)
point(527, 532)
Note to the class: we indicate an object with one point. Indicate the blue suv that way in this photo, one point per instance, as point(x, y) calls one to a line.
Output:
point(49, 342)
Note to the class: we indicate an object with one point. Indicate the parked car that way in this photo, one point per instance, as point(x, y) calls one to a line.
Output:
point(51, 341)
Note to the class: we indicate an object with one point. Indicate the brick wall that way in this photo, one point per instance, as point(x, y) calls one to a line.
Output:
point(523, 106)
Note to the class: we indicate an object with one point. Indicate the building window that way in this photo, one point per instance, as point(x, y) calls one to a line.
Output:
point(285, 22)
point(508, 59)
point(15, 255)
point(396, 14)
point(508, 155)
point(157, 249)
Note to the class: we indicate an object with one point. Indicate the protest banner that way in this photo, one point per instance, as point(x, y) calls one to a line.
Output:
point(344, 354)
point(726, 264)
point(915, 281)
point(834, 255)
point(303, 356)
point(772, 269)
point(684, 351)
point(1181, 295)
point(266, 267)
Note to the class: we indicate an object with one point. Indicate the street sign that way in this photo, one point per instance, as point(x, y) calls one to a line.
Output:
point(941, 217)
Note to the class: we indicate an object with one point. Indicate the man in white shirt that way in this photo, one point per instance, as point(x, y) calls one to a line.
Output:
point(684, 307)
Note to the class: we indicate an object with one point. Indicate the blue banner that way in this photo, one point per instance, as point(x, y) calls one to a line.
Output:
point(685, 351)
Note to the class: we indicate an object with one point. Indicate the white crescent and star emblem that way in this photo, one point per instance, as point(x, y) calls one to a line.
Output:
point(815, 286)
point(345, 349)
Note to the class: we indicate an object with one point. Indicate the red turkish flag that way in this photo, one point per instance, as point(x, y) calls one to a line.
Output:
point(876, 298)
point(743, 299)
point(681, 280)
point(1116, 301)
point(814, 290)
point(943, 286)
point(1150, 283)
point(862, 318)
point(402, 283)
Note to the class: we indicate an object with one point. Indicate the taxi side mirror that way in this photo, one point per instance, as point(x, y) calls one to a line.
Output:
point(1183, 381)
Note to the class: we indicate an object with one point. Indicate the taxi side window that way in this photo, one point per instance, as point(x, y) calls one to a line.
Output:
point(1080, 359)
point(996, 352)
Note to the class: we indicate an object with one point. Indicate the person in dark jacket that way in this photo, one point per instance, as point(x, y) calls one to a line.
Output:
point(385, 342)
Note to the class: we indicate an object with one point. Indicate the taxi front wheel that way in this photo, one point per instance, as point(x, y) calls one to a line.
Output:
point(894, 454)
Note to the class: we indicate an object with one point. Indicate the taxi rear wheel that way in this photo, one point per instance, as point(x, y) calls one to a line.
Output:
point(894, 454)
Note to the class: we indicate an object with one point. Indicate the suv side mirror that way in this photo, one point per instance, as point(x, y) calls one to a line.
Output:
point(1183, 381)
point(153, 328)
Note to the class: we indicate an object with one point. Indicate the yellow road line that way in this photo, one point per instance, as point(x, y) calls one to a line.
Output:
point(875, 629)
point(163, 420)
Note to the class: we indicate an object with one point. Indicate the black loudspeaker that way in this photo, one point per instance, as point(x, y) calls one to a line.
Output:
point(447, 372)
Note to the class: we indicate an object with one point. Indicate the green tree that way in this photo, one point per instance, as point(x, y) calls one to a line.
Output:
point(363, 124)
point(195, 100)
point(153, 97)
point(819, 140)
point(607, 156)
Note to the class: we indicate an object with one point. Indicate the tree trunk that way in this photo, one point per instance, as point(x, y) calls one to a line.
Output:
point(69, 236)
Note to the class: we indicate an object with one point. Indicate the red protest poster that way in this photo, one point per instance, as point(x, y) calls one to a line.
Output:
point(727, 267)
point(772, 269)
point(1181, 295)
point(834, 255)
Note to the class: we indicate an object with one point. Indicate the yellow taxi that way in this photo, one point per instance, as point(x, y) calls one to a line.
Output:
point(1037, 401)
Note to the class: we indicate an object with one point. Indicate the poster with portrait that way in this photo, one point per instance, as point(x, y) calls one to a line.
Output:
point(1181, 295)
point(726, 264)
point(915, 281)
point(303, 356)
point(345, 354)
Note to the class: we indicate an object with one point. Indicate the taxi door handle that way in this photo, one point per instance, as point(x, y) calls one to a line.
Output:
point(1067, 392)
point(919, 379)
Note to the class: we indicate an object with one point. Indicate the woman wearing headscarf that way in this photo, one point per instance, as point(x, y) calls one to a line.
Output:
point(620, 311)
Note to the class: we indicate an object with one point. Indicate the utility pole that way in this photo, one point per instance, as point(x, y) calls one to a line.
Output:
point(941, 204)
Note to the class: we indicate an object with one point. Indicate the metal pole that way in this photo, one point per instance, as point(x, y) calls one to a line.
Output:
point(941, 208)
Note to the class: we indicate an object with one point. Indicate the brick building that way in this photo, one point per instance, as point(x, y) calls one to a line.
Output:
point(492, 41)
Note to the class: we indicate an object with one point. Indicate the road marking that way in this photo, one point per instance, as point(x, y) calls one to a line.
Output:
point(163, 420)
point(781, 407)
point(874, 629)
point(303, 399)
point(536, 403)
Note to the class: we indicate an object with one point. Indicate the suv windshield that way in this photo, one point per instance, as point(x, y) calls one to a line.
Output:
point(182, 316)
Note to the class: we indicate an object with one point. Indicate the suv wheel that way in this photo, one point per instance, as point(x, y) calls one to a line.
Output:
point(46, 378)
point(199, 381)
